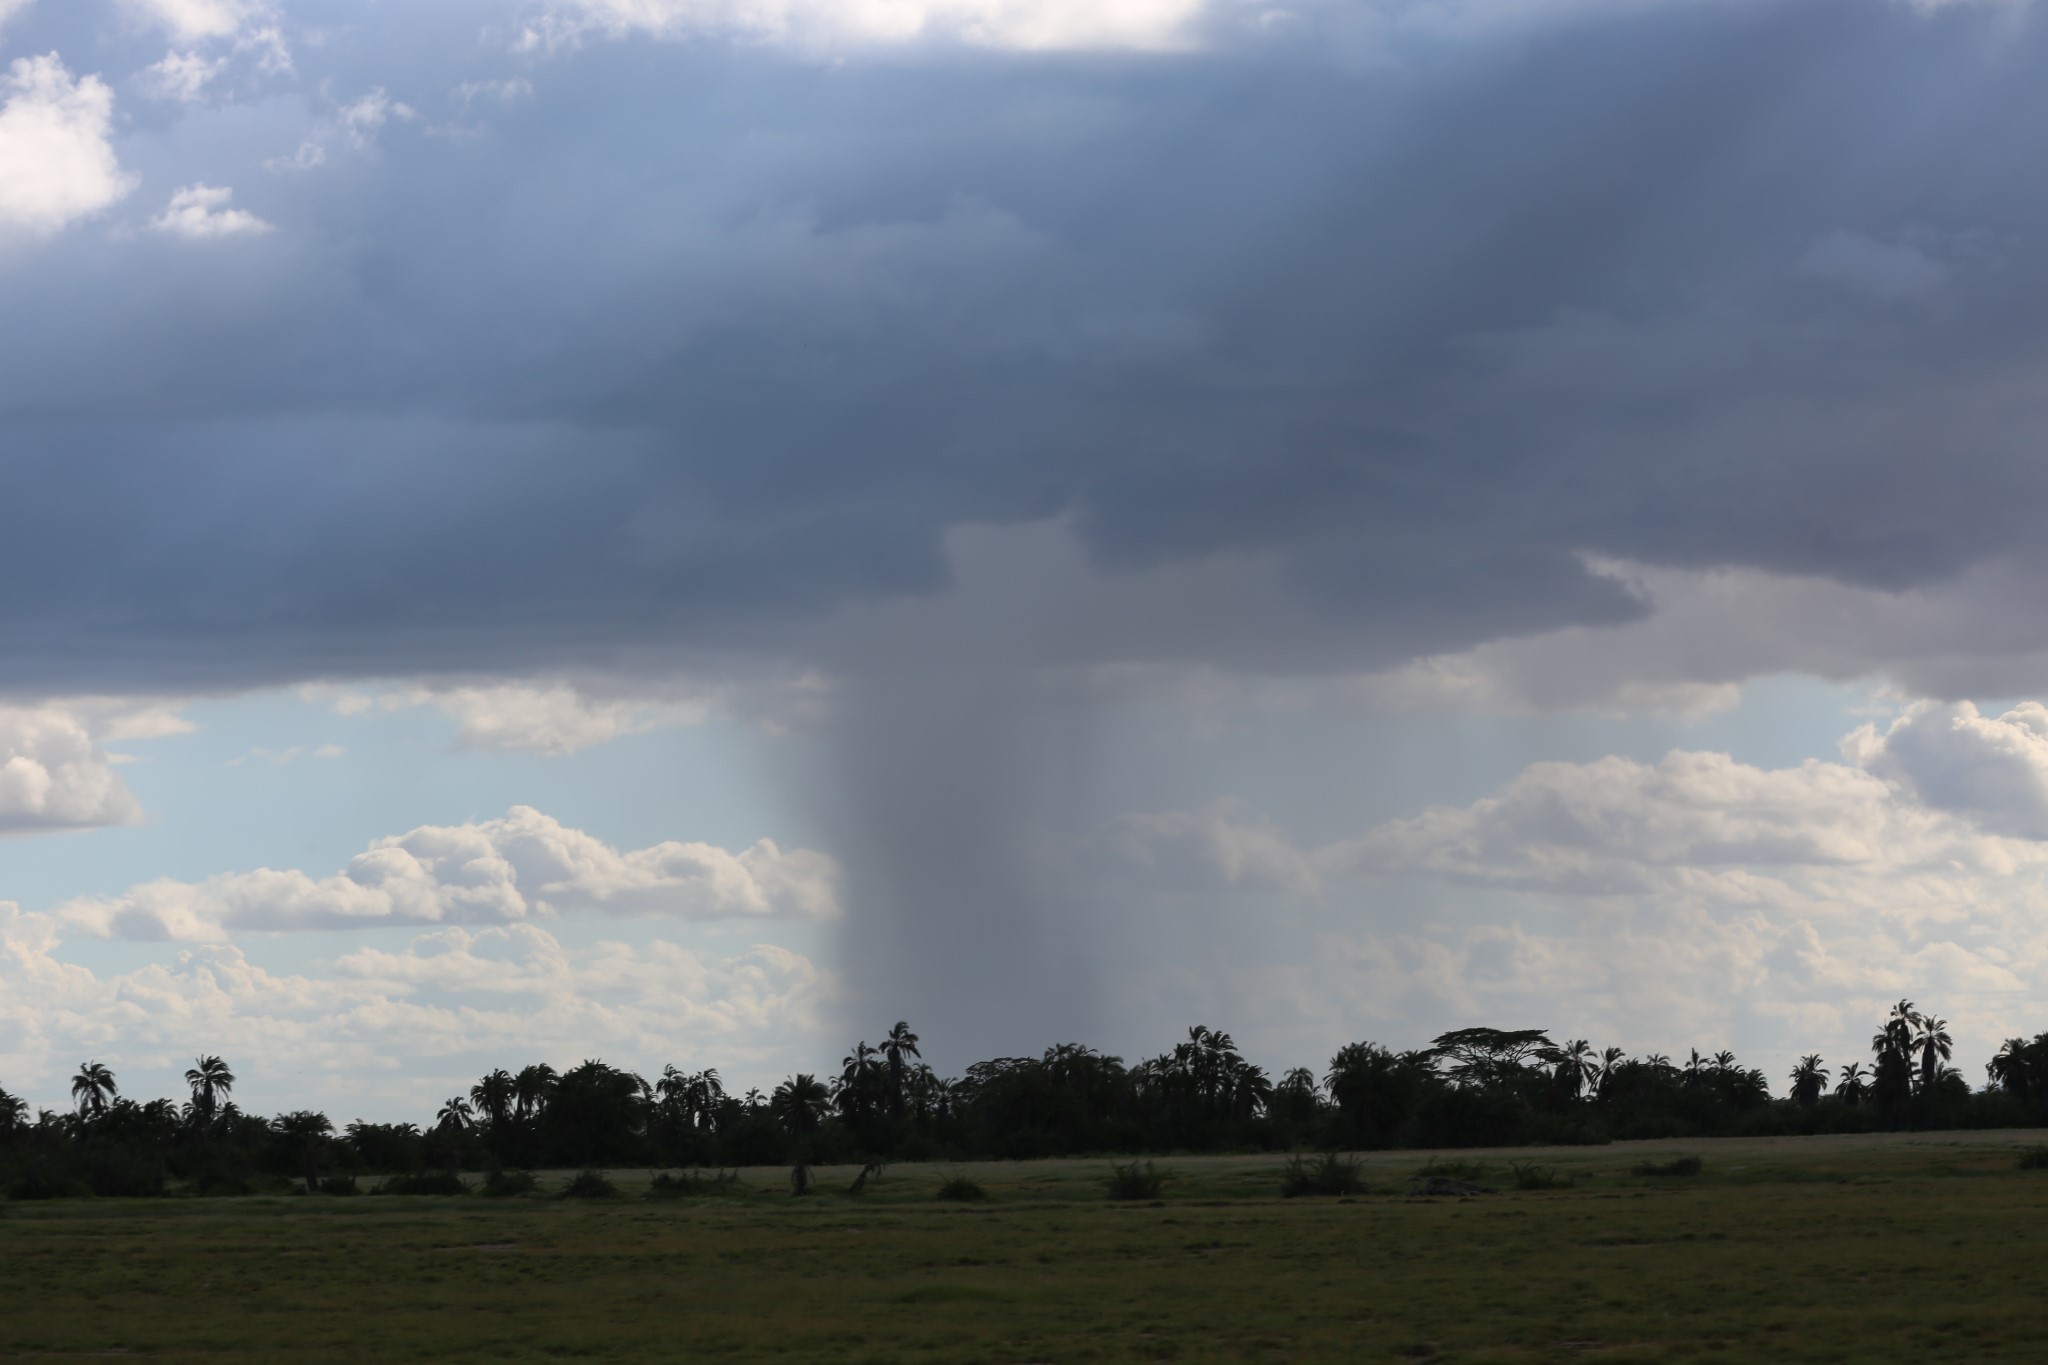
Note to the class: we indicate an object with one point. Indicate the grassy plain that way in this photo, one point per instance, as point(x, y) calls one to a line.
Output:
point(1924, 1247)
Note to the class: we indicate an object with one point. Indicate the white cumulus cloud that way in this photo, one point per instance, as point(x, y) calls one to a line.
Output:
point(191, 20)
point(508, 91)
point(556, 716)
point(1693, 897)
point(521, 867)
point(53, 775)
point(328, 1036)
point(356, 123)
point(57, 164)
point(182, 76)
point(1992, 769)
point(553, 719)
point(201, 213)
point(1029, 25)
point(361, 120)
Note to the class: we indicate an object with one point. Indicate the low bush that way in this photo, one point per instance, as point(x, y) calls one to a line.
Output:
point(1471, 1172)
point(1684, 1165)
point(504, 1184)
point(591, 1185)
point(338, 1184)
point(440, 1183)
point(39, 1185)
point(689, 1184)
point(961, 1189)
point(1136, 1181)
point(1530, 1176)
point(2034, 1159)
point(1326, 1174)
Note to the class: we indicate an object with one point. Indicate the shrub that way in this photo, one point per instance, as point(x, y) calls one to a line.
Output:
point(591, 1185)
point(1684, 1165)
point(1472, 1172)
point(338, 1184)
point(427, 1183)
point(37, 1185)
point(1529, 1176)
point(2034, 1159)
point(1136, 1182)
point(122, 1176)
point(961, 1189)
point(1326, 1174)
point(218, 1178)
point(683, 1186)
point(503, 1184)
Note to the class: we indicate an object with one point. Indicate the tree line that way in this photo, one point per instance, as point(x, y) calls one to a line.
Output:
point(1469, 1087)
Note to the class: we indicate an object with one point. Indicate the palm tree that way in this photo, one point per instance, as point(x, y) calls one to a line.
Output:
point(1609, 1060)
point(13, 1113)
point(1250, 1090)
point(93, 1088)
point(1853, 1085)
point(211, 1082)
point(532, 1088)
point(856, 1081)
point(673, 1089)
point(455, 1115)
point(1576, 1068)
point(1809, 1079)
point(494, 1096)
point(1891, 1086)
point(707, 1093)
point(799, 1102)
point(1896, 1034)
point(1934, 1046)
point(2015, 1068)
point(900, 1043)
point(304, 1134)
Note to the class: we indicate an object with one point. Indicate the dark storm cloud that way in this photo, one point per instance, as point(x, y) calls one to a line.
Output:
point(702, 342)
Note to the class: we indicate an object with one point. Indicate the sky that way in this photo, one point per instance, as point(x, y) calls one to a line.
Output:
point(686, 531)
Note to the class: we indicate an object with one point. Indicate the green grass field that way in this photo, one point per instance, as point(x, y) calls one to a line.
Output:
point(1917, 1247)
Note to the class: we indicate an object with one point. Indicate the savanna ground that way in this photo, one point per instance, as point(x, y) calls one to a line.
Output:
point(1922, 1247)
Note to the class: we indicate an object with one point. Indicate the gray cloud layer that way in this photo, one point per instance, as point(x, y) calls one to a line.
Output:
point(701, 342)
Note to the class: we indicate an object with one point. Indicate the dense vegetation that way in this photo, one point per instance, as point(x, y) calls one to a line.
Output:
point(1471, 1087)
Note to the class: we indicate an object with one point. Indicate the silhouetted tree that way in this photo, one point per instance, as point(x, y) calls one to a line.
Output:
point(1576, 1068)
point(1489, 1056)
point(799, 1104)
point(13, 1115)
point(532, 1088)
point(1809, 1080)
point(1934, 1045)
point(900, 1044)
point(2021, 1068)
point(212, 1082)
point(301, 1137)
point(92, 1089)
point(1376, 1090)
point(1891, 1085)
point(493, 1098)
